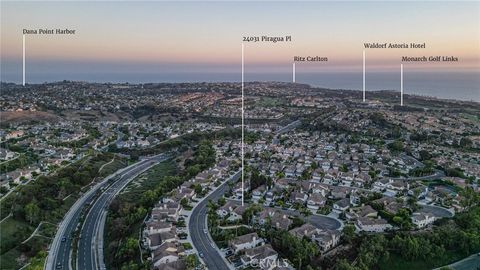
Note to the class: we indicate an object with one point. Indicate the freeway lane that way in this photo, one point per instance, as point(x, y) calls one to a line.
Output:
point(60, 249)
point(87, 253)
point(197, 225)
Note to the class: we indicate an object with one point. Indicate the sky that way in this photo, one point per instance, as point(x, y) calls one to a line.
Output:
point(198, 37)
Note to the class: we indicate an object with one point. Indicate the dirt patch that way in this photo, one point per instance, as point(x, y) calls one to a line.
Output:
point(27, 117)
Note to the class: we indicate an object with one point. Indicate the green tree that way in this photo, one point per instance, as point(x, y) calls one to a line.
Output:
point(348, 233)
point(32, 213)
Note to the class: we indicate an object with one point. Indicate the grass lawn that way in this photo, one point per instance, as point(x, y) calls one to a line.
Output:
point(395, 262)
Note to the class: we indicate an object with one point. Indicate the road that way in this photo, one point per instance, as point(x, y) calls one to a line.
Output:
point(436, 211)
point(197, 228)
point(319, 221)
point(59, 255)
point(288, 127)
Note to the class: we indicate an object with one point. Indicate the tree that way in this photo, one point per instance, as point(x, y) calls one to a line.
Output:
point(343, 264)
point(396, 146)
point(221, 201)
point(412, 200)
point(191, 261)
point(425, 155)
point(184, 202)
point(198, 189)
point(469, 197)
point(465, 142)
point(348, 233)
point(371, 250)
point(32, 213)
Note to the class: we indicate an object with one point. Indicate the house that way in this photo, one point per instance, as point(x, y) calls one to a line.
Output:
point(380, 185)
point(270, 197)
point(153, 241)
point(237, 213)
point(175, 265)
point(154, 227)
point(168, 211)
point(185, 192)
point(281, 221)
point(338, 192)
point(307, 230)
point(341, 205)
point(284, 183)
point(316, 201)
point(298, 197)
point(317, 175)
point(258, 193)
point(347, 179)
point(395, 186)
point(325, 165)
point(290, 171)
point(264, 216)
point(245, 242)
point(421, 219)
point(362, 211)
point(227, 208)
point(319, 188)
point(168, 252)
point(263, 257)
point(372, 224)
point(274, 168)
point(327, 239)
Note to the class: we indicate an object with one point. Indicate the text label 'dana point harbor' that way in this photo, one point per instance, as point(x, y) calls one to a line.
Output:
point(44, 31)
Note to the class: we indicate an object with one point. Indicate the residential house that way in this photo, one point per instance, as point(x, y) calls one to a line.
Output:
point(422, 219)
point(245, 242)
point(264, 257)
point(372, 224)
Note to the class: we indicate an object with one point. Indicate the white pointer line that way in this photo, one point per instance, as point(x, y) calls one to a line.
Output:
point(293, 72)
point(363, 75)
point(23, 60)
point(401, 84)
point(243, 118)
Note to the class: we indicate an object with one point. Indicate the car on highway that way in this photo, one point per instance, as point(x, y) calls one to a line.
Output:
point(200, 254)
point(64, 239)
point(205, 231)
point(59, 266)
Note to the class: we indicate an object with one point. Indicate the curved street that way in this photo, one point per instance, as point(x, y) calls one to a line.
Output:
point(198, 231)
point(436, 210)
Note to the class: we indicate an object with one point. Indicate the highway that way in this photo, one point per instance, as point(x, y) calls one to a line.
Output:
point(288, 127)
point(197, 228)
point(59, 256)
